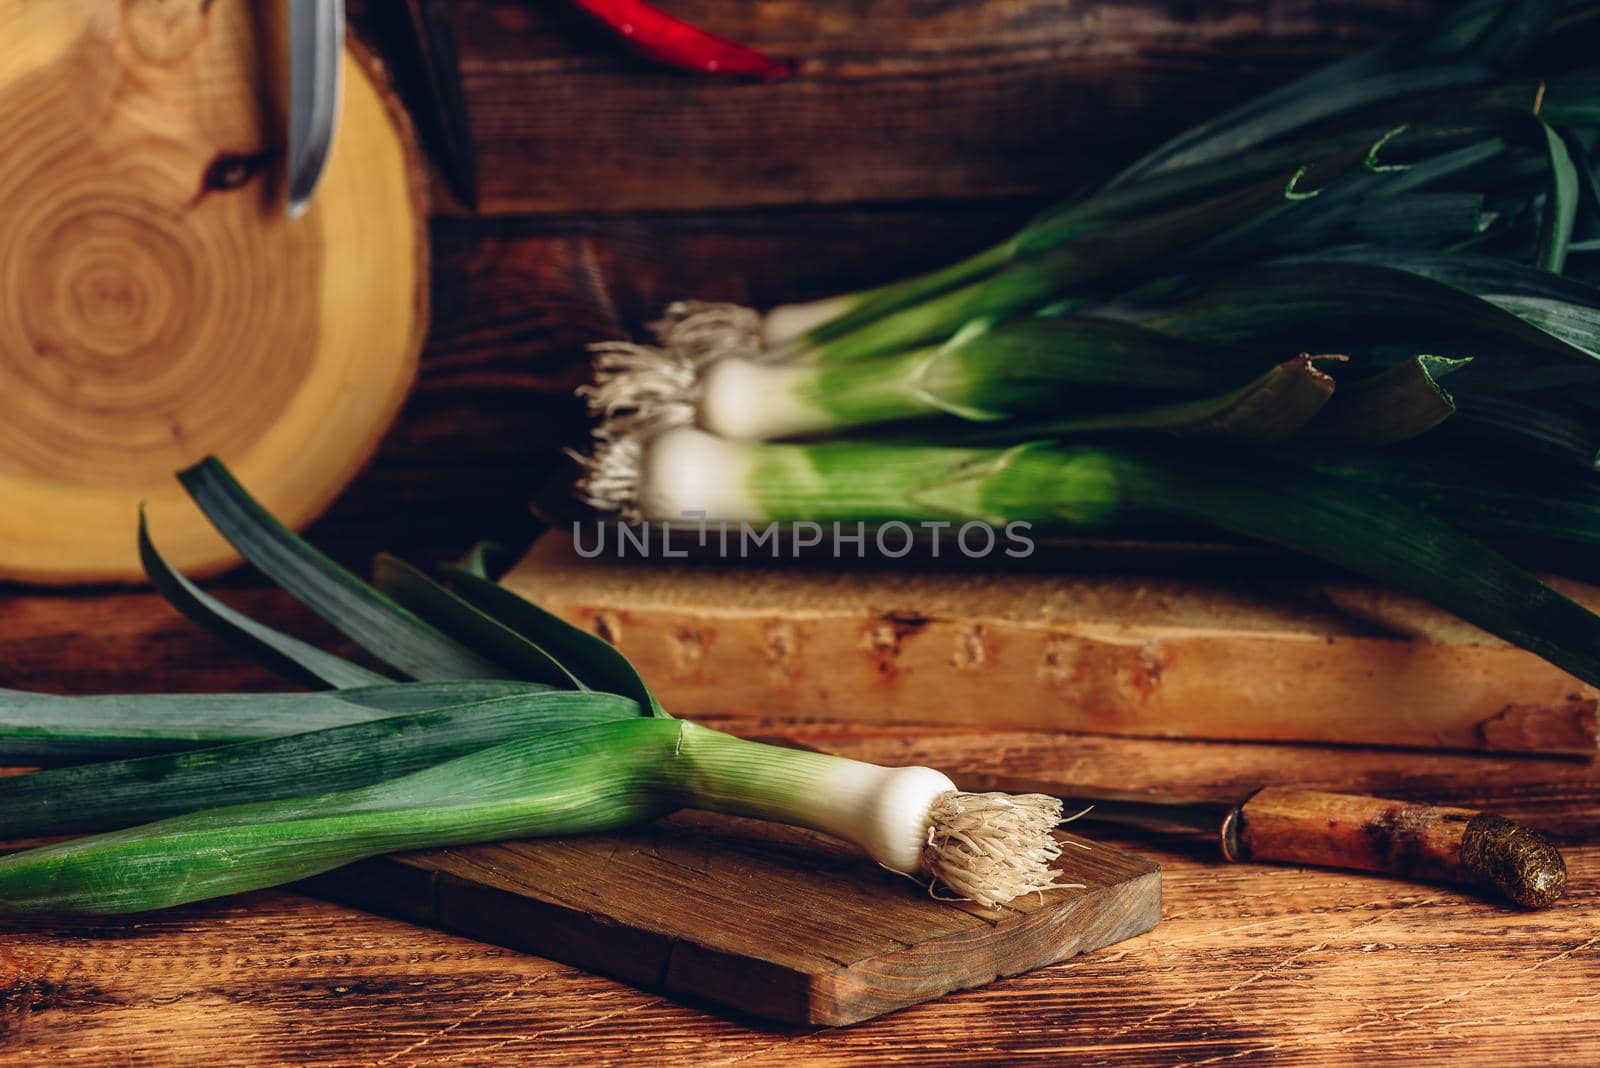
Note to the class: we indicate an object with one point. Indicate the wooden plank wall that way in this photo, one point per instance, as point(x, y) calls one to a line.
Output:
point(898, 99)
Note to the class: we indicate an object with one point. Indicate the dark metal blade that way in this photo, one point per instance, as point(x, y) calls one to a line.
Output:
point(1125, 808)
point(446, 105)
point(316, 85)
point(1157, 812)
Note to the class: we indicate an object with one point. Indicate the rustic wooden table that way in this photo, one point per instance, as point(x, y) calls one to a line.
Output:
point(609, 190)
point(1248, 963)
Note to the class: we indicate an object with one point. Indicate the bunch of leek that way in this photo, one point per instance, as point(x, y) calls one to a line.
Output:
point(513, 724)
point(1344, 318)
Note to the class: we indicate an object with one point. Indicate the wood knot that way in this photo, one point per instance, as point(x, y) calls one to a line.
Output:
point(972, 650)
point(233, 170)
point(608, 626)
point(781, 649)
point(37, 994)
point(686, 647)
point(1106, 679)
point(881, 640)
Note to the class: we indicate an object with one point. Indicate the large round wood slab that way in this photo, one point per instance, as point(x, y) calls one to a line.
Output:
point(156, 305)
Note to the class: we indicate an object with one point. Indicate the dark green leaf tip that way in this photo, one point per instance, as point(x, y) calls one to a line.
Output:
point(1292, 190)
point(1372, 162)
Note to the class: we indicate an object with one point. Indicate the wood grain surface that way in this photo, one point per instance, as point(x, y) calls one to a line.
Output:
point(1249, 964)
point(1008, 645)
point(158, 304)
point(773, 922)
point(896, 99)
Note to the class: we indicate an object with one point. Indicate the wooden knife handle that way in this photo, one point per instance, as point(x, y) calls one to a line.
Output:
point(1429, 843)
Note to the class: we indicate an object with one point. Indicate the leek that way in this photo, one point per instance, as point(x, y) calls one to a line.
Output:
point(989, 848)
point(37, 727)
point(586, 756)
point(1026, 367)
point(1430, 208)
point(686, 471)
point(119, 793)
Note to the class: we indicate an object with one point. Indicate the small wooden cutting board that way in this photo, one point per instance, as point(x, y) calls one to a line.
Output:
point(767, 920)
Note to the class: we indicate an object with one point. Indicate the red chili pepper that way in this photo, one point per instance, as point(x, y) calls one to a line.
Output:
point(665, 39)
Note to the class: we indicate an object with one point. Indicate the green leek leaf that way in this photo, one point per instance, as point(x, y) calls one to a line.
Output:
point(94, 797)
point(1352, 306)
point(1401, 403)
point(385, 629)
point(591, 658)
point(1514, 33)
point(1226, 136)
point(289, 657)
point(1561, 204)
point(1588, 173)
point(1567, 309)
point(1447, 41)
point(1486, 492)
point(1273, 407)
point(458, 618)
point(1573, 98)
point(1141, 246)
point(1372, 535)
point(1042, 366)
point(486, 559)
point(563, 782)
point(1549, 424)
point(45, 728)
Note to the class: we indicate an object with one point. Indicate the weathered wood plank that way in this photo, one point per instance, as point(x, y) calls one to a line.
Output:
point(1307, 966)
point(1301, 967)
point(91, 641)
point(1024, 96)
point(1317, 967)
point(1009, 646)
point(779, 923)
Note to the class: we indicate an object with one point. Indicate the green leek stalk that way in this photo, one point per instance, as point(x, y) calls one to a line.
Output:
point(988, 848)
point(94, 797)
point(597, 753)
point(688, 472)
point(1026, 367)
point(46, 728)
point(1094, 255)
point(1032, 378)
point(1482, 491)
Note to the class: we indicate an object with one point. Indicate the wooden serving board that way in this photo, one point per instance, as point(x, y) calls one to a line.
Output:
point(772, 921)
point(1249, 657)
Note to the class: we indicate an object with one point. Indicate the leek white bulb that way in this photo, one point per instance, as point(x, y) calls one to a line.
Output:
point(885, 811)
point(749, 401)
point(787, 324)
point(989, 848)
point(686, 471)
